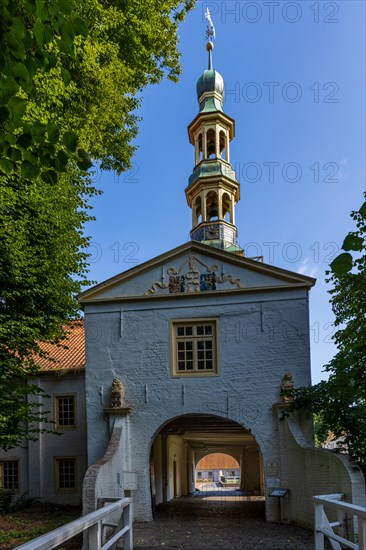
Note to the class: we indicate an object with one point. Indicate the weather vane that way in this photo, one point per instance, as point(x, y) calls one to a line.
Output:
point(210, 31)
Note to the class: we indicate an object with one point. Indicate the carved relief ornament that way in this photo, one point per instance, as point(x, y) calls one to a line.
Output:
point(189, 277)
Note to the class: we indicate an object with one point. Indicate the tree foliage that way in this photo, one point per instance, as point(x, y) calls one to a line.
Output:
point(70, 73)
point(341, 400)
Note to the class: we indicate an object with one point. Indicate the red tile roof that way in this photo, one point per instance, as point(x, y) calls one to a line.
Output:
point(68, 355)
point(217, 461)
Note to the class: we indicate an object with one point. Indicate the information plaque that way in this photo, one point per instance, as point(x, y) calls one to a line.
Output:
point(278, 493)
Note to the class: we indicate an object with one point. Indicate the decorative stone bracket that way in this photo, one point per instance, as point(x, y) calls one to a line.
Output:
point(116, 411)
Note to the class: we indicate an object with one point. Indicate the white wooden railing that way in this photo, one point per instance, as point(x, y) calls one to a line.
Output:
point(344, 510)
point(95, 525)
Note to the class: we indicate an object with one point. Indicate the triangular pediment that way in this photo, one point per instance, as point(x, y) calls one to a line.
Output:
point(190, 269)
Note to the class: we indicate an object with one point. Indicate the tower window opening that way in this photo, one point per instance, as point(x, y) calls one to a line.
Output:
point(212, 206)
point(211, 144)
point(226, 207)
point(200, 147)
point(223, 149)
point(198, 207)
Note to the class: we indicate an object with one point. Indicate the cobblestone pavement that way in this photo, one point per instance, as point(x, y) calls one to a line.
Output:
point(214, 522)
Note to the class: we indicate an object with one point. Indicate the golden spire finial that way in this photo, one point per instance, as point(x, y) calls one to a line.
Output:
point(209, 48)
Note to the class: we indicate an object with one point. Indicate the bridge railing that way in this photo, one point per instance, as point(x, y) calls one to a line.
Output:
point(95, 525)
point(343, 512)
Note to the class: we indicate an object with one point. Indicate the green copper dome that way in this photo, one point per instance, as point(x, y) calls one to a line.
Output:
point(211, 81)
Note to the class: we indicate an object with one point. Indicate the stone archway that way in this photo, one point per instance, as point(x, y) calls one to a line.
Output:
point(182, 441)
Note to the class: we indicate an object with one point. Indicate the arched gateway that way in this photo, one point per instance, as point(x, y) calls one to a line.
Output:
point(202, 333)
point(184, 441)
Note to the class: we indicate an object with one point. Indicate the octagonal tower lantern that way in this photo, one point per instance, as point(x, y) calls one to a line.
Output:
point(213, 190)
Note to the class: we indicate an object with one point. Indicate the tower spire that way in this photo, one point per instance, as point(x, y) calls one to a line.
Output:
point(210, 35)
point(213, 190)
point(209, 48)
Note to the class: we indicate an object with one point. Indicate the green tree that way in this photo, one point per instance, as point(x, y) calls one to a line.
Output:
point(341, 400)
point(70, 72)
point(321, 431)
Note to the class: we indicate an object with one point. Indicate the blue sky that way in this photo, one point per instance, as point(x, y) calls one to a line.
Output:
point(295, 85)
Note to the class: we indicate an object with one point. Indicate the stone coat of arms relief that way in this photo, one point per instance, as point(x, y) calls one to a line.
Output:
point(193, 275)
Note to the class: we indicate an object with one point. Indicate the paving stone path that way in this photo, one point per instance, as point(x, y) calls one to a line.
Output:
point(213, 522)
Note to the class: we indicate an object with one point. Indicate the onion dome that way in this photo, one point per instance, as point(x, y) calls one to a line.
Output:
point(211, 86)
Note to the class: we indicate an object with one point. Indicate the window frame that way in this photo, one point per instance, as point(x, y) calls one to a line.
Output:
point(64, 490)
point(62, 427)
point(7, 461)
point(174, 372)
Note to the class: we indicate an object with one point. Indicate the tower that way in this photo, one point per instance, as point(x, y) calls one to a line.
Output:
point(213, 189)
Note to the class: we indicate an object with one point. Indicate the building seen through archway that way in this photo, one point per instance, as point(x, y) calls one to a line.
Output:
point(221, 469)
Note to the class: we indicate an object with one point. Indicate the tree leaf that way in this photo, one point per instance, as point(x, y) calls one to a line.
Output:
point(49, 176)
point(342, 264)
point(66, 77)
point(28, 155)
point(65, 7)
point(62, 157)
point(30, 5)
point(20, 71)
point(6, 165)
point(67, 32)
point(47, 160)
point(10, 138)
point(4, 114)
point(39, 32)
point(52, 60)
point(17, 27)
point(66, 43)
point(16, 45)
point(53, 132)
point(41, 9)
point(16, 154)
point(26, 85)
point(362, 211)
point(48, 33)
point(40, 58)
point(25, 140)
point(28, 42)
point(8, 88)
point(31, 66)
point(84, 163)
point(17, 105)
point(38, 129)
point(29, 170)
point(66, 47)
point(352, 242)
point(70, 140)
point(79, 26)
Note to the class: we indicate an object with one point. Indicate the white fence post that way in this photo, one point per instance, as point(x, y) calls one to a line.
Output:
point(362, 533)
point(319, 536)
point(128, 520)
point(95, 536)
